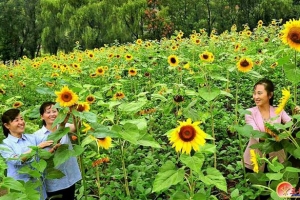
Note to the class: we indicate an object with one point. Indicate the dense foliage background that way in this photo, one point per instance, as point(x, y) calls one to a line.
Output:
point(32, 27)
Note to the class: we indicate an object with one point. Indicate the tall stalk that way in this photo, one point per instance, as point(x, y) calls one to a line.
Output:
point(124, 170)
point(236, 123)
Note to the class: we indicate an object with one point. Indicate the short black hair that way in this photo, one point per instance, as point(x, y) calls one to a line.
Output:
point(7, 117)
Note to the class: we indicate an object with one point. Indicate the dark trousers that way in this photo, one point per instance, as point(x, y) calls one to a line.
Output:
point(65, 194)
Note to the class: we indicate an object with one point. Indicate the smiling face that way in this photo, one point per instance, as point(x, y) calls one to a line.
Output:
point(261, 96)
point(17, 126)
point(49, 115)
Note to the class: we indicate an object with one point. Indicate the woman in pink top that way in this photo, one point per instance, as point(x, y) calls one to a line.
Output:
point(263, 93)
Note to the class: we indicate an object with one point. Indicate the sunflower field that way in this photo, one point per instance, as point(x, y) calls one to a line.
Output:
point(164, 119)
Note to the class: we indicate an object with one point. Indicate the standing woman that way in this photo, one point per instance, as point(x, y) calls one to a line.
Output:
point(263, 93)
point(65, 186)
point(16, 144)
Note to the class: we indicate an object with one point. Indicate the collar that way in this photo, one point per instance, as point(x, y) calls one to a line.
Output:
point(15, 139)
point(44, 130)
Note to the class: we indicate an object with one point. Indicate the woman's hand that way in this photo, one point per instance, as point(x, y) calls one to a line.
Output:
point(45, 144)
point(53, 149)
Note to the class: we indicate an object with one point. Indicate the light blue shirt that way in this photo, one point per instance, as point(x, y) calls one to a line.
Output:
point(70, 168)
point(11, 149)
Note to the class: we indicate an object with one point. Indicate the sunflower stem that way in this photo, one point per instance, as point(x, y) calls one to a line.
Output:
point(236, 123)
point(124, 170)
point(295, 87)
point(82, 167)
point(213, 133)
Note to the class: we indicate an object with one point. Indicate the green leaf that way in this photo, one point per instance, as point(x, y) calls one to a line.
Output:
point(130, 133)
point(234, 193)
point(9, 182)
point(209, 94)
point(28, 170)
point(132, 107)
point(140, 123)
point(199, 195)
point(78, 150)
point(208, 148)
point(158, 97)
point(52, 173)
point(12, 196)
point(87, 140)
point(292, 73)
point(101, 131)
point(193, 162)
point(168, 175)
point(58, 134)
point(179, 195)
point(39, 165)
point(148, 140)
point(62, 154)
point(214, 177)
point(44, 90)
point(292, 169)
point(274, 176)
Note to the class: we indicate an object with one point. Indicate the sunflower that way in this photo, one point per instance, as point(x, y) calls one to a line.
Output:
point(139, 41)
point(173, 60)
point(100, 71)
point(90, 99)
point(291, 34)
point(93, 75)
point(244, 64)
point(91, 55)
point(186, 136)
point(178, 98)
point(284, 99)
point(22, 84)
point(54, 75)
point(119, 95)
point(207, 56)
point(237, 47)
point(274, 65)
point(128, 57)
point(66, 97)
point(87, 127)
point(17, 104)
point(132, 71)
point(83, 106)
point(49, 84)
point(104, 142)
point(254, 160)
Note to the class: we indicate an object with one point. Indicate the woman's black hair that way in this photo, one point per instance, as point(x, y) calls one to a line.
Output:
point(269, 87)
point(7, 117)
point(44, 107)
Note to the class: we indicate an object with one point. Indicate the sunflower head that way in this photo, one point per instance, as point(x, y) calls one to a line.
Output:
point(207, 56)
point(128, 57)
point(245, 64)
point(119, 95)
point(83, 106)
point(17, 104)
point(100, 71)
point(132, 72)
point(291, 34)
point(105, 143)
point(90, 99)
point(173, 60)
point(253, 158)
point(187, 136)
point(66, 97)
point(286, 94)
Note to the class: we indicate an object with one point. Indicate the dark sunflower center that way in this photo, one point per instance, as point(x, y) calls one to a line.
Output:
point(90, 99)
point(205, 56)
point(66, 97)
point(132, 71)
point(244, 63)
point(294, 35)
point(187, 133)
point(173, 60)
point(100, 70)
point(80, 108)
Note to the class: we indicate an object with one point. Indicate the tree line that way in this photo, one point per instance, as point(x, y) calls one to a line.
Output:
point(29, 27)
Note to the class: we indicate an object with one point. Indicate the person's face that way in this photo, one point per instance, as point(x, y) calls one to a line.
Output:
point(49, 115)
point(260, 96)
point(16, 126)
